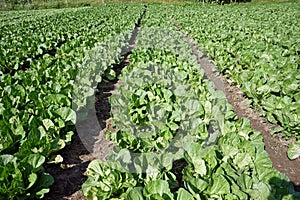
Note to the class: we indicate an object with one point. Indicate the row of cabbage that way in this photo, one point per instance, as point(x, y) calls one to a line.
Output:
point(36, 118)
point(176, 136)
point(30, 38)
point(7, 17)
point(257, 47)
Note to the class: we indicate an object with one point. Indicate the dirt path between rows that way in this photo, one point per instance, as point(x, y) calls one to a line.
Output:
point(275, 146)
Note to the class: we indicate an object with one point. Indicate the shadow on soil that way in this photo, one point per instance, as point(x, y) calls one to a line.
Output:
point(69, 175)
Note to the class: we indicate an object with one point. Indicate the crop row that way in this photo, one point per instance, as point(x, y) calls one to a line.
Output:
point(258, 49)
point(15, 17)
point(31, 39)
point(36, 118)
point(177, 137)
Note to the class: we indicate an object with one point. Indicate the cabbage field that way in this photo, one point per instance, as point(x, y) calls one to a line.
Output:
point(150, 101)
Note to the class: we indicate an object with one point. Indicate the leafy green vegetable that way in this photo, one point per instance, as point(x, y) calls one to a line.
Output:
point(294, 150)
